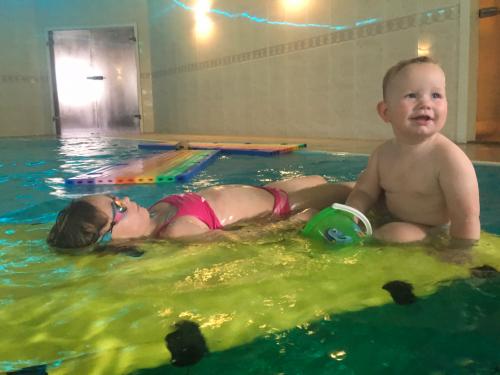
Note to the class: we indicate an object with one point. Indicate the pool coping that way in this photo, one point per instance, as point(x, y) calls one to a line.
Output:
point(480, 153)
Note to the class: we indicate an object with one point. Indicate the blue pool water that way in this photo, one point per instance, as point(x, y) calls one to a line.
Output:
point(275, 306)
point(32, 183)
point(32, 175)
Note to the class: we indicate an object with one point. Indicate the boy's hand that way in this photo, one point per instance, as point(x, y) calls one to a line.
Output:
point(454, 256)
point(457, 251)
point(303, 216)
point(461, 243)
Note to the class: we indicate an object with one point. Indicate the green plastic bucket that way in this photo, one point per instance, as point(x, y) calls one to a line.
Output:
point(336, 225)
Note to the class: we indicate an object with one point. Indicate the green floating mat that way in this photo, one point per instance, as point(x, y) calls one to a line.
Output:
point(109, 314)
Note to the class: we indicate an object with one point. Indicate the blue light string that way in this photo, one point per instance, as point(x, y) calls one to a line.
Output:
point(256, 19)
point(279, 23)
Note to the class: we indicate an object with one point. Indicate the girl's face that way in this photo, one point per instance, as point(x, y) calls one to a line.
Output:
point(416, 104)
point(126, 218)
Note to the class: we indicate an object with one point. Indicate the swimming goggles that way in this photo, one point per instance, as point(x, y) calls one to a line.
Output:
point(119, 211)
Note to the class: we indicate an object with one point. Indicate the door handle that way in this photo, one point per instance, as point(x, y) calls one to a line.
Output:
point(96, 78)
point(488, 12)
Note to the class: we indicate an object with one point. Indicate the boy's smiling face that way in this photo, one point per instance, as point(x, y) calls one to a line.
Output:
point(416, 104)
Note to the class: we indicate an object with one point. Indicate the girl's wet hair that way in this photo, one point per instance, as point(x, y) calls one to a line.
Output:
point(78, 225)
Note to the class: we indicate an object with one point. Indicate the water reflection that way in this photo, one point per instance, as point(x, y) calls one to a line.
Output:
point(33, 188)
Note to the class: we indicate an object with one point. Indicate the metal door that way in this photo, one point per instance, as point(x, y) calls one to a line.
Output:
point(94, 80)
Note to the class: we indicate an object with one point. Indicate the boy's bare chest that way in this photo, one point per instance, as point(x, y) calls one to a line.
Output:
point(403, 175)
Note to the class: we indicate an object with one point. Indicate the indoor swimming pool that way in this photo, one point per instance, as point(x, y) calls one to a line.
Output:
point(277, 305)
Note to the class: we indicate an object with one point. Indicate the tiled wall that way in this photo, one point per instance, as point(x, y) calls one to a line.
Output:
point(20, 76)
point(25, 100)
point(265, 71)
point(292, 74)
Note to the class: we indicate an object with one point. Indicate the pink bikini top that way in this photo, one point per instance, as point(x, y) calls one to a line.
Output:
point(191, 204)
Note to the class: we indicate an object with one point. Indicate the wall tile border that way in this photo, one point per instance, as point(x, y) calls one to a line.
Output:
point(6, 79)
point(336, 37)
point(33, 80)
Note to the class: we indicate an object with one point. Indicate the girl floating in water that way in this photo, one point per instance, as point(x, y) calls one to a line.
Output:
point(99, 218)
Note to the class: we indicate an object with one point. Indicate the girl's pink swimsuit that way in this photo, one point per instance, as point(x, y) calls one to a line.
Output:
point(191, 204)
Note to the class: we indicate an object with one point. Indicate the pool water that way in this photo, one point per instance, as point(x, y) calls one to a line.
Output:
point(278, 305)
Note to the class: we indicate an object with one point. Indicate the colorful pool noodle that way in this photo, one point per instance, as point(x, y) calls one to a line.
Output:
point(260, 149)
point(165, 167)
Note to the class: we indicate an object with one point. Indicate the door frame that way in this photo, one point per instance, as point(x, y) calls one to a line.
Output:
point(468, 59)
point(54, 103)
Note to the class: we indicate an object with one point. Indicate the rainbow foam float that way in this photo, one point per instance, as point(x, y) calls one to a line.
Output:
point(261, 149)
point(169, 166)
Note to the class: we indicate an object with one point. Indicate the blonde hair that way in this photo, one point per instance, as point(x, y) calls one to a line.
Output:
point(394, 70)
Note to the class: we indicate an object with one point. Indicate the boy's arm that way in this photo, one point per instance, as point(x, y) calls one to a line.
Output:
point(459, 184)
point(367, 189)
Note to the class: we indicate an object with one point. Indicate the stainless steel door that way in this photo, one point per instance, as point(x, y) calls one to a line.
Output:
point(95, 81)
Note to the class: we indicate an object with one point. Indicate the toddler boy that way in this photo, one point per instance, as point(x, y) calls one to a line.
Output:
point(424, 179)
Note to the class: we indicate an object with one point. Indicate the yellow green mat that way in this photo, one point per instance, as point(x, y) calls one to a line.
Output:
point(109, 314)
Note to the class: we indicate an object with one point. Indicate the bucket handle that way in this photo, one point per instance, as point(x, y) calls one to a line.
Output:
point(356, 213)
